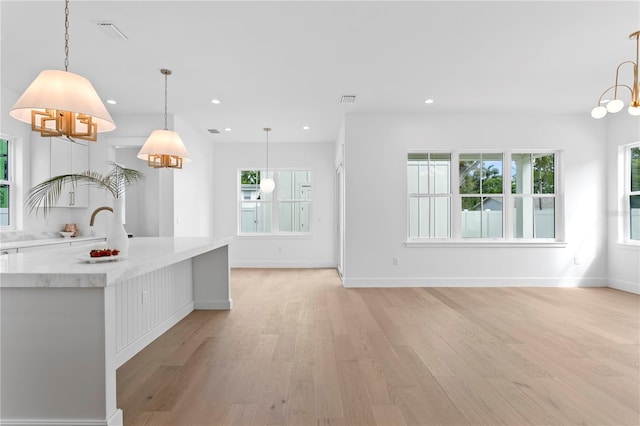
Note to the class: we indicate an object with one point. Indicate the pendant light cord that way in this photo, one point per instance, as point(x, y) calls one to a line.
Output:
point(165, 101)
point(66, 35)
point(267, 129)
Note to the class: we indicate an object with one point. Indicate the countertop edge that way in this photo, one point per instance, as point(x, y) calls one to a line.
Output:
point(155, 253)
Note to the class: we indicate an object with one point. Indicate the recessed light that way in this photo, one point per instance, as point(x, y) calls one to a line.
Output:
point(227, 129)
point(111, 101)
point(305, 127)
point(428, 101)
point(215, 101)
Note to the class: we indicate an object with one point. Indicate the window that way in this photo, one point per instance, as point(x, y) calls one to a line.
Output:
point(533, 189)
point(478, 202)
point(5, 184)
point(632, 189)
point(481, 195)
point(287, 210)
point(428, 176)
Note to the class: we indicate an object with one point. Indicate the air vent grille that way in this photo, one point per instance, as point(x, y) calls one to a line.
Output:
point(112, 31)
point(348, 99)
point(214, 131)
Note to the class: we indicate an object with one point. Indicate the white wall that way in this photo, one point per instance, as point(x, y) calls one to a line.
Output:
point(623, 260)
point(193, 197)
point(376, 147)
point(315, 250)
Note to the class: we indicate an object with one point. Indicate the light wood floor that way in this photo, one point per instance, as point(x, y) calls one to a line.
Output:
point(298, 348)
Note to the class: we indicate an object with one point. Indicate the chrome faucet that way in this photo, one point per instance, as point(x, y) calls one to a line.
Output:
point(93, 217)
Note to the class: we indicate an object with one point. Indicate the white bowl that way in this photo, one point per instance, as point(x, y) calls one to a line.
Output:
point(66, 234)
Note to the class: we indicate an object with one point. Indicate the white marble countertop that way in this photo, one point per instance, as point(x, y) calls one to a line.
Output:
point(9, 245)
point(62, 268)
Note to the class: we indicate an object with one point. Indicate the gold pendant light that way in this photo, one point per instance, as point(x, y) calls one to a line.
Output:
point(164, 148)
point(616, 105)
point(61, 103)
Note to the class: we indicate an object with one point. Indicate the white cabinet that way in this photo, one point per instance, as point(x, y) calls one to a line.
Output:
point(60, 157)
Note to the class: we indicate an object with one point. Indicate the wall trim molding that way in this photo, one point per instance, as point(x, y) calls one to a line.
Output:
point(474, 282)
point(214, 305)
point(283, 264)
point(627, 286)
point(114, 420)
point(133, 348)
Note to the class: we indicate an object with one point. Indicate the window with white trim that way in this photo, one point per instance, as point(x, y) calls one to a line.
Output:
point(287, 210)
point(477, 202)
point(632, 189)
point(481, 195)
point(428, 179)
point(6, 208)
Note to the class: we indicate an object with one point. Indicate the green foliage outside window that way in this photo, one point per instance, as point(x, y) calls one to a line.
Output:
point(635, 169)
point(250, 177)
point(4, 170)
point(479, 175)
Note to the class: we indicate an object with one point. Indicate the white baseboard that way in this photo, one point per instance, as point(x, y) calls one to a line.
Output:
point(114, 420)
point(281, 264)
point(473, 282)
point(624, 286)
point(136, 346)
point(214, 305)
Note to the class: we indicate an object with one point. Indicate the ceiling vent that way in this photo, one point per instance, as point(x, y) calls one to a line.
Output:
point(348, 99)
point(111, 31)
point(214, 131)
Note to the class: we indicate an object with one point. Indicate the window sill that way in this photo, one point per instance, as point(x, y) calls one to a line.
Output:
point(484, 244)
point(265, 236)
point(628, 245)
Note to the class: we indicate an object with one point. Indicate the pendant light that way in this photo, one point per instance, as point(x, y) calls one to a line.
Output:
point(164, 148)
point(267, 185)
point(61, 103)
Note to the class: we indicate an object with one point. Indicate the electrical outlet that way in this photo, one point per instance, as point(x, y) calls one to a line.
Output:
point(396, 261)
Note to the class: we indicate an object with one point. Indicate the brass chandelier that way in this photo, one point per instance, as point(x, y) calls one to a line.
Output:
point(61, 103)
point(616, 105)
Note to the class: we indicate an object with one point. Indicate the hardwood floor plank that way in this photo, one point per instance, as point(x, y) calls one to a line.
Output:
point(301, 408)
point(355, 400)
point(274, 399)
point(240, 415)
point(388, 415)
point(299, 349)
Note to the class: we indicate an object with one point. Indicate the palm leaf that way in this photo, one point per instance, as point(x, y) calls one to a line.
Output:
point(46, 194)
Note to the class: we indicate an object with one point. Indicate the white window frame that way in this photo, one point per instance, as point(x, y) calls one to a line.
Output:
point(507, 240)
point(10, 183)
point(431, 196)
point(626, 197)
point(275, 204)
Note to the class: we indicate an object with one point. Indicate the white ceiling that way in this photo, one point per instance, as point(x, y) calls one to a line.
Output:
point(286, 64)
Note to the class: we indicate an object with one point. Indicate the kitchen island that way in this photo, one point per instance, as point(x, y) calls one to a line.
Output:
point(66, 324)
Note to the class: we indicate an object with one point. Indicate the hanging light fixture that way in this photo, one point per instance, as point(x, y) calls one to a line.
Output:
point(164, 148)
point(267, 185)
point(61, 103)
point(616, 104)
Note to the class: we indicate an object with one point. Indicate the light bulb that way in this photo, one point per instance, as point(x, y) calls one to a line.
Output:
point(267, 185)
point(634, 110)
point(615, 106)
point(598, 112)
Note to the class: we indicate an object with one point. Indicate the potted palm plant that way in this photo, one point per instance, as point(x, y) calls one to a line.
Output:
point(45, 195)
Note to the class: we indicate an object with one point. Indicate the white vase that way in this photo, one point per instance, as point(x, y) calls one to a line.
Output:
point(117, 237)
